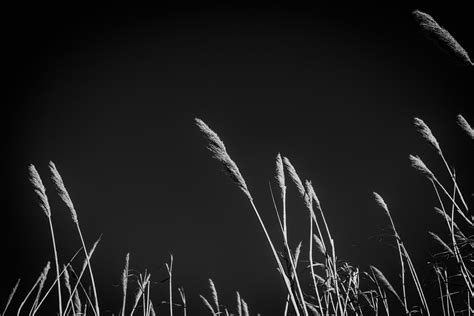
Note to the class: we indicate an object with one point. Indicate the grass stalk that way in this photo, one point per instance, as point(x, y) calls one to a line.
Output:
point(40, 190)
point(125, 282)
point(64, 194)
point(170, 274)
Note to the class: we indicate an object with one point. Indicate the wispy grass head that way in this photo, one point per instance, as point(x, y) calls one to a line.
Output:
point(239, 305)
point(217, 147)
point(125, 273)
point(425, 131)
point(381, 277)
point(441, 36)
point(441, 242)
point(380, 201)
point(319, 244)
point(214, 293)
point(40, 190)
point(280, 173)
point(418, 164)
point(294, 176)
point(207, 304)
point(312, 194)
point(465, 126)
point(63, 194)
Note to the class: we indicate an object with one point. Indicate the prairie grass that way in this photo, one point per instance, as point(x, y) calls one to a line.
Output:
point(317, 281)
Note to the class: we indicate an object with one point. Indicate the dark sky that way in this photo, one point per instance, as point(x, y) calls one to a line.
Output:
point(110, 96)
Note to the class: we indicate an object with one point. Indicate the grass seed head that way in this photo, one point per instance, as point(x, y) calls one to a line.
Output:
point(125, 273)
point(425, 131)
point(319, 244)
point(418, 164)
point(245, 308)
point(380, 201)
point(294, 176)
point(67, 281)
point(63, 193)
point(465, 126)
point(239, 305)
point(40, 190)
point(381, 277)
point(207, 304)
point(442, 243)
point(214, 293)
point(312, 194)
point(441, 36)
point(217, 147)
point(280, 174)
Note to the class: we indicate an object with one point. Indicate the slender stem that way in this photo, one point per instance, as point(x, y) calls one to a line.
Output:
point(458, 209)
point(453, 177)
point(402, 264)
point(90, 269)
point(280, 266)
point(170, 272)
point(28, 295)
point(56, 261)
point(311, 263)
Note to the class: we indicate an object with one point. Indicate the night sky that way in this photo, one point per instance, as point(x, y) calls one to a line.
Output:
point(110, 95)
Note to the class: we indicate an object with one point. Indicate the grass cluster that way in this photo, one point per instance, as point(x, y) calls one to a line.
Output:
point(316, 280)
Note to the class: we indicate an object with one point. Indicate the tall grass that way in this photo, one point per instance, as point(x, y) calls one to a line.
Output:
point(325, 286)
point(317, 281)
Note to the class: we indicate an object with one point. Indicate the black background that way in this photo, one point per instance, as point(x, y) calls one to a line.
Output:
point(110, 93)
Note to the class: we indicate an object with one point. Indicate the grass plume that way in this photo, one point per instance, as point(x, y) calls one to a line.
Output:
point(441, 36)
point(217, 147)
point(462, 122)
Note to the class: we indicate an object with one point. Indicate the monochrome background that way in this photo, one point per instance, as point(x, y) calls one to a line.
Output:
point(110, 95)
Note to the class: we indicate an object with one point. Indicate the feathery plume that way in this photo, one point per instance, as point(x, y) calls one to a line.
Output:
point(44, 275)
point(313, 308)
point(245, 308)
point(298, 251)
point(418, 164)
point(319, 244)
point(445, 215)
point(63, 193)
point(214, 294)
point(441, 36)
point(208, 305)
point(465, 126)
point(280, 174)
point(67, 279)
point(12, 293)
point(442, 243)
point(381, 202)
point(125, 274)
point(125, 282)
point(91, 252)
point(381, 277)
point(77, 302)
point(239, 305)
point(40, 190)
point(312, 194)
point(425, 131)
point(294, 176)
point(138, 296)
point(217, 147)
